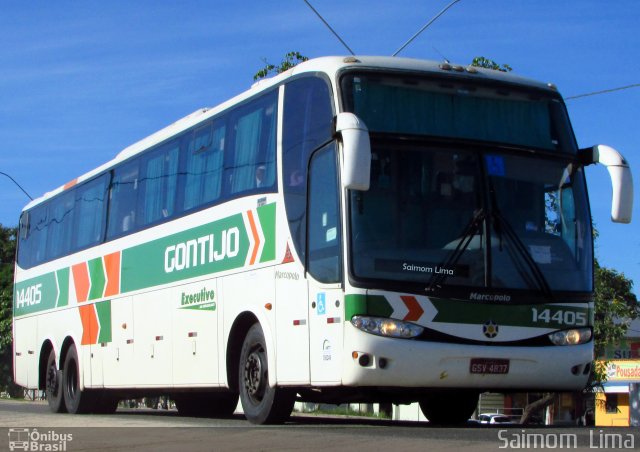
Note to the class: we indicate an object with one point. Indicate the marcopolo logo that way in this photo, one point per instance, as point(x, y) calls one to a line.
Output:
point(287, 275)
point(33, 440)
point(475, 296)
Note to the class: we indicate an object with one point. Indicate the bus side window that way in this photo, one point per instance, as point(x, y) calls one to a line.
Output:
point(123, 200)
point(204, 165)
point(159, 183)
point(59, 225)
point(307, 124)
point(90, 211)
point(252, 156)
point(325, 241)
point(34, 237)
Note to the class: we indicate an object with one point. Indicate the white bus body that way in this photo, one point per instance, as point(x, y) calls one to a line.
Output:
point(418, 252)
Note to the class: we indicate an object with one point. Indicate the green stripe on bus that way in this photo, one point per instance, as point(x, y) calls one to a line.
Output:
point(97, 278)
point(360, 304)
point(35, 294)
point(62, 276)
point(103, 309)
point(211, 248)
point(450, 311)
point(267, 216)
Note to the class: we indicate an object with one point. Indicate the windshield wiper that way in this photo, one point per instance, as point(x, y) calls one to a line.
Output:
point(502, 225)
point(454, 256)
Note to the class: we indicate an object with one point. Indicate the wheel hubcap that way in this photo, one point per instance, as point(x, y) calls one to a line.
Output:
point(52, 380)
point(254, 377)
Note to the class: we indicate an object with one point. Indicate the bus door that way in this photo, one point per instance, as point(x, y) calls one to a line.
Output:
point(324, 269)
point(25, 334)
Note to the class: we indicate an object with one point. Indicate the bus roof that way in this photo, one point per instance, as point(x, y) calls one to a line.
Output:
point(331, 66)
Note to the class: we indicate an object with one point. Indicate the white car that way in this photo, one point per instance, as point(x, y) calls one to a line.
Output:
point(494, 418)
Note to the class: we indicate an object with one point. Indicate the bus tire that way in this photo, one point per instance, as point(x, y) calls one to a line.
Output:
point(449, 407)
point(76, 401)
point(262, 404)
point(53, 385)
point(218, 405)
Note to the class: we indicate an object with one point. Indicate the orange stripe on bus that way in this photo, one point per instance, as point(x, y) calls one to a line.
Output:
point(71, 183)
point(81, 281)
point(112, 267)
point(256, 237)
point(90, 326)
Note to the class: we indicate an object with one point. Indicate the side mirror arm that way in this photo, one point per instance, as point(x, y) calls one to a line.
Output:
point(356, 151)
point(621, 179)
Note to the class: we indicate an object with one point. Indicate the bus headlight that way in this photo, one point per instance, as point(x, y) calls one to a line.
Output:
point(386, 327)
point(571, 337)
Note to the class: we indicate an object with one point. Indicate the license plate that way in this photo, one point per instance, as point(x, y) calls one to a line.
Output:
point(489, 366)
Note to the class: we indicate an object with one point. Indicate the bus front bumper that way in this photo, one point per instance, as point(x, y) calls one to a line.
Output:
point(371, 360)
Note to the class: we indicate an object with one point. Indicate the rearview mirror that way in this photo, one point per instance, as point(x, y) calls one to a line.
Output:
point(621, 180)
point(356, 151)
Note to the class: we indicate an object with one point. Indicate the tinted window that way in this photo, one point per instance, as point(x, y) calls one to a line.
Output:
point(308, 117)
point(324, 217)
point(424, 106)
point(58, 226)
point(252, 157)
point(232, 154)
point(159, 183)
point(123, 203)
point(204, 164)
point(33, 246)
point(71, 221)
point(90, 207)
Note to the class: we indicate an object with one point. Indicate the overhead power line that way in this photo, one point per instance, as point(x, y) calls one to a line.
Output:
point(604, 91)
point(329, 27)
point(19, 186)
point(425, 27)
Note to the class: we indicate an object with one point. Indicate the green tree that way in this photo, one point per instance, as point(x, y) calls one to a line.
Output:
point(290, 60)
point(615, 307)
point(486, 63)
point(7, 255)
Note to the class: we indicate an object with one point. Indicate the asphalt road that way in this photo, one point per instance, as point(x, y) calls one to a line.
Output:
point(159, 430)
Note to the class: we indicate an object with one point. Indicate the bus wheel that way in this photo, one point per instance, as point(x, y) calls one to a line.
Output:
point(219, 405)
point(53, 385)
point(77, 401)
point(449, 407)
point(262, 404)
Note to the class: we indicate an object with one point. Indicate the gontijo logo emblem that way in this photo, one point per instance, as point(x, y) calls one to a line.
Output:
point(204, 249)
point(237, 241)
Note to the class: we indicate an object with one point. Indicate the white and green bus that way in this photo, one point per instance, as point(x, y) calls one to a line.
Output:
point(361, 229)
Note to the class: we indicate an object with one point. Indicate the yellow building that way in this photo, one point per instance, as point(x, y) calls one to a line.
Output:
point(619, 404)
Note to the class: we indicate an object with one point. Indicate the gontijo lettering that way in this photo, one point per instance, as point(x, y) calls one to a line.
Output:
point(202, 250)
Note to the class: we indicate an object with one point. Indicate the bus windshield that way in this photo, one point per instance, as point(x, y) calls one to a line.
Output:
point(469, 211)
point(412, 105)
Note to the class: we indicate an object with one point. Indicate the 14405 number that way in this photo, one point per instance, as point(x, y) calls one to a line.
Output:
point(559, 316)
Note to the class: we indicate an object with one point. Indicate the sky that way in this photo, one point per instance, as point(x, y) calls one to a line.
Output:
point(80, 81)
